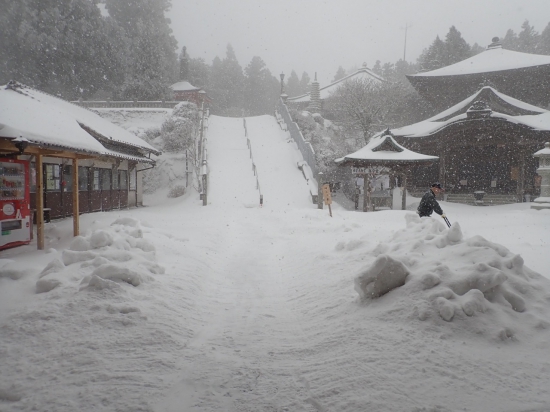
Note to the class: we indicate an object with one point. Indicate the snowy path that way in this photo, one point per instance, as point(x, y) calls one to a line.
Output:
point(256, 309)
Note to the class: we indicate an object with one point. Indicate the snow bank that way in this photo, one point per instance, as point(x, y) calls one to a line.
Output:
point(434, 273)
point(106, 258)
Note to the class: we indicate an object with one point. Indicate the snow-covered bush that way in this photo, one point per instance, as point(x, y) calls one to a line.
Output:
point(179, 131)
point(176, 138)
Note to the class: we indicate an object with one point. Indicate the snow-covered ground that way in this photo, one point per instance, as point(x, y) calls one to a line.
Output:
point(232, 307)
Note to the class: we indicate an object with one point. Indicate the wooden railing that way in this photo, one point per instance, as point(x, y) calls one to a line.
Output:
point(126, 104)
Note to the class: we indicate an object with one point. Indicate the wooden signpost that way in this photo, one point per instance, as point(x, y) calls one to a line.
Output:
point(327, 197)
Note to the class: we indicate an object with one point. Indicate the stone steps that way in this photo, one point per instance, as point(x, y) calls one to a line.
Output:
point(488, 199)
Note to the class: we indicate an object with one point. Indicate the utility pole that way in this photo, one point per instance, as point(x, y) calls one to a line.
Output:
point(405, 47)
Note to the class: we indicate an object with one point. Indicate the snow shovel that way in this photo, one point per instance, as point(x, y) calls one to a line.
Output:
point(446, 220)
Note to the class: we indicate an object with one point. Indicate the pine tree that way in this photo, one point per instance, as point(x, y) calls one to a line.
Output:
point(544, 41)
point(261, 88)
point(199, 73)
point(293, 85)
point(59, 46)
point(304, 83)
point(456, 48)
point(340, 74)
point(528, 38)
point(510, 40)
point(152, 47)
point(433, 57)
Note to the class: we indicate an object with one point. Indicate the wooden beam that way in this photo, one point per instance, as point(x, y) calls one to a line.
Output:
point(404, 196)
point(76, 197)
point(39, 203)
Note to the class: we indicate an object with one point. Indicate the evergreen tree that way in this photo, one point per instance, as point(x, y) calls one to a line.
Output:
point(59, 46)
point(340, 74)
point(184, 64)
point(377, 68)
point(261, 88)
point(510, 40)
point(227, 84)
point(528, 38)
point(199, 73)
point(544, 41)
point(152, 47)
point(456, 48)
point(433, 57)
point(293, 85)
point(304, 83)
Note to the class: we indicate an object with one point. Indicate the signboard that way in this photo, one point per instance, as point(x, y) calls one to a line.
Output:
point(359, 170)
point(326, 194)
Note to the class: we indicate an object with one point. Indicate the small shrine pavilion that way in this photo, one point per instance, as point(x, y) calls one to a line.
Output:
point(383, 155)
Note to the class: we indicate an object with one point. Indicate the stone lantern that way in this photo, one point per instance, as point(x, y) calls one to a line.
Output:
point(543, 202)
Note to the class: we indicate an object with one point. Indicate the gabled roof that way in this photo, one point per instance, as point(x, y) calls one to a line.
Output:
point(325, 92)
point(491, 60)
point(383, 149)
point(184, 86)
point(487, 103)
point(43, 119)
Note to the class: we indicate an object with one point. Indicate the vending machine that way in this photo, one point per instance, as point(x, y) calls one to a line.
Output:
point(15, 213)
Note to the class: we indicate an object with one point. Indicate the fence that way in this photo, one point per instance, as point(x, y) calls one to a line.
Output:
point(286, 122)
point(108, 104)
point(203, 155)
point(254, 170)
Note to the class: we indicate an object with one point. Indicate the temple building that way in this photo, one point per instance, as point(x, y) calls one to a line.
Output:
point(185, 91)
point(521, 75)
point(484, 143)
point(314, 100)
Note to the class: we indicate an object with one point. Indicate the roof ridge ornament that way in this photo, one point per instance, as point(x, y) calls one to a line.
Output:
point(479, 109)
point(496, 44)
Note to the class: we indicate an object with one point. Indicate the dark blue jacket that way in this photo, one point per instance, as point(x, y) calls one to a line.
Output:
point(428, 204)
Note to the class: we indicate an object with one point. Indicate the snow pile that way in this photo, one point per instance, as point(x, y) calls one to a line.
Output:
point(106, 258)
point(432, 270)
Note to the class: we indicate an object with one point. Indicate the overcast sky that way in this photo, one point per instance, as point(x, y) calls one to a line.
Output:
point(318, 36)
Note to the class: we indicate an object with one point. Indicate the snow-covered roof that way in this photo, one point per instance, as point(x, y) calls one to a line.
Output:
point(543, 152)
point(40, 118)
point(325, 92)
point(491, 60)
point(501, 106)
point(184, 87)
point(384, 149)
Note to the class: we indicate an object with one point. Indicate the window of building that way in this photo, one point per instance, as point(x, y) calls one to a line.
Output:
point(83, 178)
point(53, 177)
point(95, 180)
point(105, 179)
point(115, 180)
point(124, 180)
point(67, 178)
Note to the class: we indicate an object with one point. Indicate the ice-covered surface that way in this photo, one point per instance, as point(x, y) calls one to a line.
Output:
point(232, 307)
point(491, 60)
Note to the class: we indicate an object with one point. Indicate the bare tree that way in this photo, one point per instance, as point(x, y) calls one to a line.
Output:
point(364, 107)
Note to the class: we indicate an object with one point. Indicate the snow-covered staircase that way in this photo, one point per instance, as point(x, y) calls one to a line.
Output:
point(231, 179)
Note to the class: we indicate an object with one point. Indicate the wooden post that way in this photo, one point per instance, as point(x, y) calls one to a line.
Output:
point(366, 196)
point(521, 176)
point(39, 203)
point(76, 197)
point(404, 196)
point(442, 166)
point(320, 190)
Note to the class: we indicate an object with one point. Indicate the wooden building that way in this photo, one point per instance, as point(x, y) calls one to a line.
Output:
point(186, 92)
point(521, 75)
point(484, 143)
point(79, 162)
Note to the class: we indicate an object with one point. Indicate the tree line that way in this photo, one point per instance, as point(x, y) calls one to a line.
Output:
point(125, 50)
